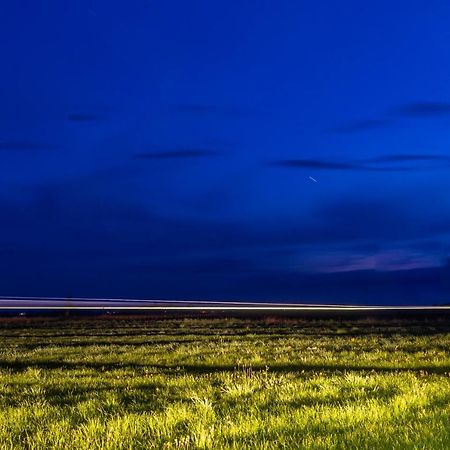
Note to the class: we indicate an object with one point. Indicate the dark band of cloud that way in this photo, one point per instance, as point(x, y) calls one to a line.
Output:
point(370, 165)
point(175, 154)
point(409, 157)
point(423, 109)
point(314, 164)
point(413, 110)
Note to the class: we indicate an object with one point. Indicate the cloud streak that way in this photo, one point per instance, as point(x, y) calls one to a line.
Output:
point(370, 165)
point(315, 164)
point(408, 158)
point(423, 109)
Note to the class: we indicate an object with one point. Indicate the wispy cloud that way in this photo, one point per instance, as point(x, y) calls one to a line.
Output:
point(315, 164)
point(423, 109)
point(392, 163)
point(409, 157)
point(383, 261)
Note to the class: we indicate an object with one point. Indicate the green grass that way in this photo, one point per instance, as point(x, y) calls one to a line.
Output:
point(224, 383)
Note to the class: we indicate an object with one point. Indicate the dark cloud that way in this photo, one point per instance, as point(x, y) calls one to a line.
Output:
point(423, 109)
point(82, 236)
point(83, 117)
point(176, 154)
point(361, 125)
point(25, 145)
point(371, 165)
point(409, 157)
point(217, 110)
point(315, 164)
point(417, 286)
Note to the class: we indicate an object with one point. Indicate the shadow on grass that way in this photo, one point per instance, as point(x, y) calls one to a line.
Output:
point(254, 332)
point(209, 368)
point(155, 340)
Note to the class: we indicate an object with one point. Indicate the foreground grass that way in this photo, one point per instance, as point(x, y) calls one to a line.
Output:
point(182, 384)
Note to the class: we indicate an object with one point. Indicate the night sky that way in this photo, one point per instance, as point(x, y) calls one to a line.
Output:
point(290, 150)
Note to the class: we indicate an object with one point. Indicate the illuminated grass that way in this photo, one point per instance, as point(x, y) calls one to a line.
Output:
point(225, 384)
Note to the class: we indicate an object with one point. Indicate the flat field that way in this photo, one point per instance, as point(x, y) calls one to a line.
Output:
point(143, 383)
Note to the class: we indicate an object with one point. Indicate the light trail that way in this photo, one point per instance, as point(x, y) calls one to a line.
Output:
point(24, 304)
point(234, 308)
point(158, 301)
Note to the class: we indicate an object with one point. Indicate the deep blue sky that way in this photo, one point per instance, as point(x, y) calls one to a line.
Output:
point(165, 149)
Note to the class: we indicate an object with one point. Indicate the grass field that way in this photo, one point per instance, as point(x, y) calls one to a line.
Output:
point(142, 383)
